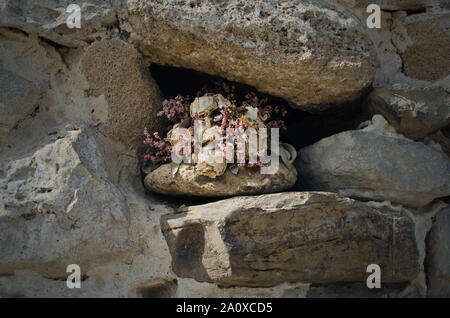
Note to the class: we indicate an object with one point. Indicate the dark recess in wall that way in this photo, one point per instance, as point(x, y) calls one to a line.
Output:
point(303, 128)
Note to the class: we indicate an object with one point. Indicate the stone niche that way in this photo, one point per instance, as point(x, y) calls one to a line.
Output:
point(209, 174)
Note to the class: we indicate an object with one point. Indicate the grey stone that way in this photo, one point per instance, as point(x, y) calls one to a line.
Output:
point(49, 209)
point(49, 19)
point(18, 99)
point(374, 166)
point(413, 112)
point(389, 4)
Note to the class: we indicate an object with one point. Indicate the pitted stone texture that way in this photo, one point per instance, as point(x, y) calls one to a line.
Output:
point(375, 166)
point(308, 237)
point(312, 54)
point(423, 41)
point(124, 80)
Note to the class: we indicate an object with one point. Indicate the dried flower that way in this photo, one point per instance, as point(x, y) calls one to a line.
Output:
point(158, 150)
point(176, 110)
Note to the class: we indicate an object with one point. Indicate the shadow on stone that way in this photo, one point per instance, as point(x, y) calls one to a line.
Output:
point(186, 249)
point(158, 289)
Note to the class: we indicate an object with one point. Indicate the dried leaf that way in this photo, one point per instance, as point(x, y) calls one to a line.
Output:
point(174, 168)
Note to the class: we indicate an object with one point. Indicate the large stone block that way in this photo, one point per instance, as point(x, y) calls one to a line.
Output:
point(312, 54)
point(309, 237)
point(57, 207)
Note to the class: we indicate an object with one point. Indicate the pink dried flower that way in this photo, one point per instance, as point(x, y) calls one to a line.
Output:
point(176, 110)
point(158, 149)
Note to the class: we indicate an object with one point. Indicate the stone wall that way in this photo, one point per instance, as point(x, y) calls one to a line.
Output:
point(74, 103)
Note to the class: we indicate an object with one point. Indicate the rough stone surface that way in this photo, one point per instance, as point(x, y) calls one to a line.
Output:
point(413, 112)
point(425, 44)
point(437, 263)
point(48, 19)
point(18, 99)
point(124, 80)
point(247, 181)
point(69, 194)
point(69, 202)
point(112, 228)
point(375, 166)
point(47, 204)
point(307, 53)
point(287, 237)
point(440, 139)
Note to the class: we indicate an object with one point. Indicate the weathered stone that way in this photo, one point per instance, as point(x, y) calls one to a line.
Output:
point(310, 54)
point(124, 80)
point(76, 199)
point(309, 237)
point(70, 184)
point(187, 181)
point(413, 112)
point(49, 19)
point(125, 256)
point(18, 99)
point(26, 66)
point(440, 139)
point(375, 166)
point(158, 289)
point(423, 42)
point(49, 210)
point(437, 262)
